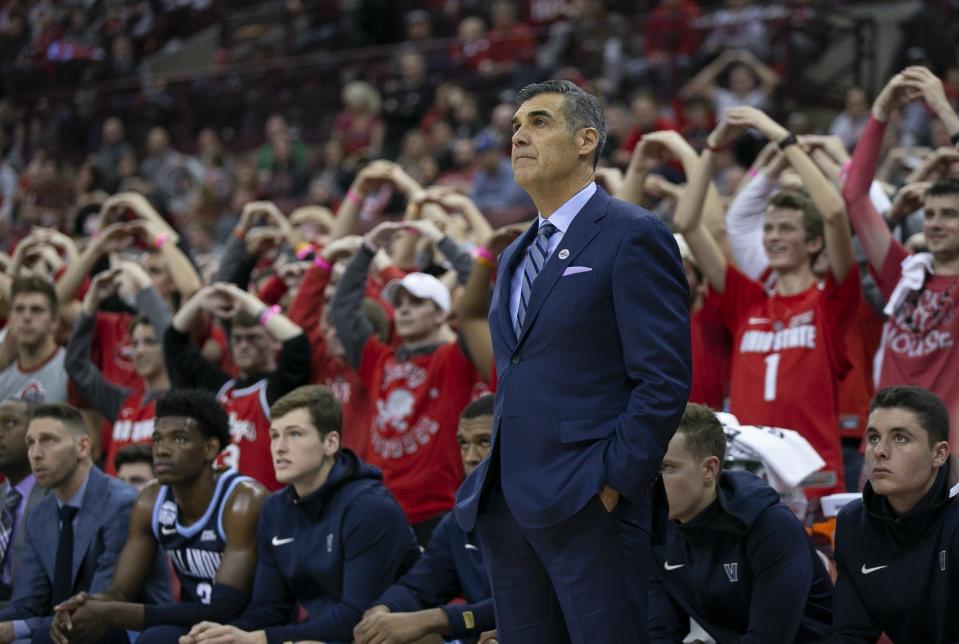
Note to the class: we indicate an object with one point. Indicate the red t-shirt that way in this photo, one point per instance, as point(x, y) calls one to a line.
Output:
point(918, 340)
point(249, 450)
point(711, 346)
point(306, 310)
point(788, 359)
point(416, 404)
point(112, 350)
point(857, 389)
point(134, 424)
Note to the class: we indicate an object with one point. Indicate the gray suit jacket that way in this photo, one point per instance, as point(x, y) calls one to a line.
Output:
point(37, 494)
point(101, 531)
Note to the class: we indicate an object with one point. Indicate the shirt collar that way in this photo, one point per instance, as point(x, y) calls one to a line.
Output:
point(77, 499)
point(25, 487)
point(564, 215)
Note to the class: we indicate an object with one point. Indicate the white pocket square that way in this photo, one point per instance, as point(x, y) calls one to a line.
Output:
point(572, 270)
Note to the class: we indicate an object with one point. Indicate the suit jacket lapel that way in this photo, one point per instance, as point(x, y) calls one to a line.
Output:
point(576, 238)
point(87, 519)
point(37, 494)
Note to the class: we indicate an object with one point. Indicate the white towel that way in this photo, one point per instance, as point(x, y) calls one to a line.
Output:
point(787, 457)
point(912, 277)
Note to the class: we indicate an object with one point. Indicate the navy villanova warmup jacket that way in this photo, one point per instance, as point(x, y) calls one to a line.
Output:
point(333, 552)
point(744, 569)
point(898, 575)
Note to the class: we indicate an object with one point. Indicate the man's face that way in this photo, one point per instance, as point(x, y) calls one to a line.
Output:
point(54, 451)
point(252, 349)
point(475, 436)
point(784, 239)
point(13, 433)
point(899, 458)
point(416, 318)
point(156, 268)
point(180, 450)
point(137, 474)
point(941, 226)
point(147, 351)
point(856, 102)
point(741, 80)
point(296, 446)
point(544, 149)
point(683, 479)
point(31, 319)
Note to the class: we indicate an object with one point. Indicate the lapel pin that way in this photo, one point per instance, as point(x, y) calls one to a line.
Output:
point(563, 254)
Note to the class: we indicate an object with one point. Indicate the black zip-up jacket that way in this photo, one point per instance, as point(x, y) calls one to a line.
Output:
point(744, 569)
point(898, 574)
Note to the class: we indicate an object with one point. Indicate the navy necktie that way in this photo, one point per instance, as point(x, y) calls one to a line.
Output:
point(535, 260)
point(63, 569)
point(8, 520)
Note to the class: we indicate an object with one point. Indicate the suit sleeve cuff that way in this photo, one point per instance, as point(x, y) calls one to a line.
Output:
point(20, 629)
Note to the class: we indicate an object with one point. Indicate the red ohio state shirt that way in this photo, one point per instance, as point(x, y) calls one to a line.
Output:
point(787, 362)
point(416, 405)
point(134, 424)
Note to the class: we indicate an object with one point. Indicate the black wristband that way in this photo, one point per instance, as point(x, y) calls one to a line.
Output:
point(955, 138)
point(786, 141)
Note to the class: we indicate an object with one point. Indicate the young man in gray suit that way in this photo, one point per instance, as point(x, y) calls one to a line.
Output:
point(19, 492)
point(74, 535)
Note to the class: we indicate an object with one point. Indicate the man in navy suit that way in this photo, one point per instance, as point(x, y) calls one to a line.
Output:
point(590, 328)
point(73, 536)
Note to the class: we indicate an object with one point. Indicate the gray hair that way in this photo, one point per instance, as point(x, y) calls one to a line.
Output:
point(580, 108)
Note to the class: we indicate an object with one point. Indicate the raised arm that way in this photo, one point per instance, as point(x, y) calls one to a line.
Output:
point(346, 310)
point(672, 145)
point(824, 195)
point(475, 303)
point(641, 164)
point(347, 221)
point(109, 239)
point(745, 213)
point(704, 82)
point(689, 210)
point(870, 227)
point(101, 394)
point(454, 201)
point(185, 364)
point(185, 278)
point(768, 77)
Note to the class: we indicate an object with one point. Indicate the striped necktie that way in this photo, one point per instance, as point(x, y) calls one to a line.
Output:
point(535, 259)
point(8, 517)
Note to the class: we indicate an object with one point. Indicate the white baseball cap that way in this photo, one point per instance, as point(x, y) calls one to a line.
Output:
point(421, 285)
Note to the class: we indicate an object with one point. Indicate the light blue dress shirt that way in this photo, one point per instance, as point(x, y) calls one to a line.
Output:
point(561, 218)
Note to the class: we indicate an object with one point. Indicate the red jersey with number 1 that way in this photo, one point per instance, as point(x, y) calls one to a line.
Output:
point(249, 448)
point(134, 424)
point(788, 359)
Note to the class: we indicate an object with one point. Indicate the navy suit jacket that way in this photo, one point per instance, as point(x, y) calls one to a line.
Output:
point(99, 535)
point(594, 386)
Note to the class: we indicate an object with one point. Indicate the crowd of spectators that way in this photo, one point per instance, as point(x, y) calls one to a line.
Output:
point(354, 247)
point(421, 93)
